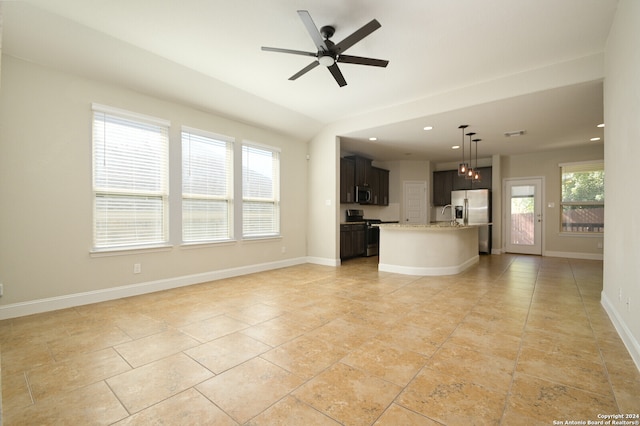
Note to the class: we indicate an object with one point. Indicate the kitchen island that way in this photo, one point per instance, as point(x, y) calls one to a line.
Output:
point(436, 249)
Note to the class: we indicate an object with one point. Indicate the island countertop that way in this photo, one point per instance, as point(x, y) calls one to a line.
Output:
point(425, 226)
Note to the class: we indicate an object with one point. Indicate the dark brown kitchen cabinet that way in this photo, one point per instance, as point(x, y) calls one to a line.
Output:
point(352, 238)
point(347, 180)
point(483, 183)
point(442, 187)
point(460, 182)
point(358, 171)
point(485, 178)
point(363, 171)
point(373, 177)
point(379, 184)
point(448, 180)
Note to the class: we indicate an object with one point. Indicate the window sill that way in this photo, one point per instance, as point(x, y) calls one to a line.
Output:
point(206, 244)
point(261, 239)
point(125, 251)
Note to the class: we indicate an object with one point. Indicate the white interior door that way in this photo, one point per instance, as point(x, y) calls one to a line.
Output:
point(415, 202)
point(524, 216)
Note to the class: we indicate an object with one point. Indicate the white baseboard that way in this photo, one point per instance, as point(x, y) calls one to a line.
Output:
point(68, 301)
point(633, 346)
point(429, 271)
point(323, 261)
point(573, 255)
point(497, 251)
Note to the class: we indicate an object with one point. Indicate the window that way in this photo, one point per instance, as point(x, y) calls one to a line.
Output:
point(207, 186)
point(260, 191)
point(129, 179)
point(582, 197)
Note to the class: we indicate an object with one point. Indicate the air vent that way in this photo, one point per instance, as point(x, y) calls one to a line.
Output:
point(514, 133)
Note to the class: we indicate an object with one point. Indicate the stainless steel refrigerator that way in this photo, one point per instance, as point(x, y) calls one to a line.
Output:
point(473, 207)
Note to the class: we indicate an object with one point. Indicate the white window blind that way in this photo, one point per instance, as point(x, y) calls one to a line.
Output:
point(260, 191)
point(129, 180)
point(207, 186)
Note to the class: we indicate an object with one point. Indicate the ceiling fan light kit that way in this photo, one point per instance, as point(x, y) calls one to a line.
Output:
point(329, 53)
point(326, 60)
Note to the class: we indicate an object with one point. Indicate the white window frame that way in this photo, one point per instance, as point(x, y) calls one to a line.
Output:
point(579, 166)
point(190, 232)
point(252, 229)
point(128, 194)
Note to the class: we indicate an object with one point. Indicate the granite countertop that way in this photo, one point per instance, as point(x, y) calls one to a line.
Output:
point(426, 227)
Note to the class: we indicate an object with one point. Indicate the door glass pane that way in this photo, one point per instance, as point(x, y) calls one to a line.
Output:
point(522, 215)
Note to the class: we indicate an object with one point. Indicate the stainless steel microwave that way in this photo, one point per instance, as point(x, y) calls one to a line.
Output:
point(363, 195)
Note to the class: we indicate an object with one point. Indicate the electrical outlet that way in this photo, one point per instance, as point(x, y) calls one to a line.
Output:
point(599, 245)
point(137, 268)
point(620, 294)
point(284, 249)
point(1, 289)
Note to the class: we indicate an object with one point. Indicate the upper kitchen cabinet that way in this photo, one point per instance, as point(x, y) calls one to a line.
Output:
point(383, 188)
point(363, 171)
point(442, 187)
point(358, 171)
point(347, 180)
point(485, 178)
point(483, 183)
point(448, 180)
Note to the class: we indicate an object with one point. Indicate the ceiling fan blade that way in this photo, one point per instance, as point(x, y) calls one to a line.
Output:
point(294, 52)
point(357, 36)
point(348, 59)
point(313, 30)
point(305, 70)
point(335, 71)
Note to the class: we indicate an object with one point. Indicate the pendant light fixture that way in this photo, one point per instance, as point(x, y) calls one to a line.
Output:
point(469, 174)
point(476, 172)
point(462, 167)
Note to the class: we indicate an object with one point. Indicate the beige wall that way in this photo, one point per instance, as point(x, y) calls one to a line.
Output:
point(545, 164)
point(621, 295)
point(46, 190)
point(323, 202)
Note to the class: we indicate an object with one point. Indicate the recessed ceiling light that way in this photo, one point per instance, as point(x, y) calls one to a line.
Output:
point(455, 147)
point(595, 139)
point(373, 139)
point(601, 125)
point(428, 128)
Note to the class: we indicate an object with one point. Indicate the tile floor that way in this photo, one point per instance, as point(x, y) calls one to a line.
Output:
point(514, 340)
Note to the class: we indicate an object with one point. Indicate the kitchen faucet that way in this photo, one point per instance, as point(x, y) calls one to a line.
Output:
point(453, 221)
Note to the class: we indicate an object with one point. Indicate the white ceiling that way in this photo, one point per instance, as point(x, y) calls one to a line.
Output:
point(206, 53)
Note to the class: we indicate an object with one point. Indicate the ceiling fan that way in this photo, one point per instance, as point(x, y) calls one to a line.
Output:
point(330, 53)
